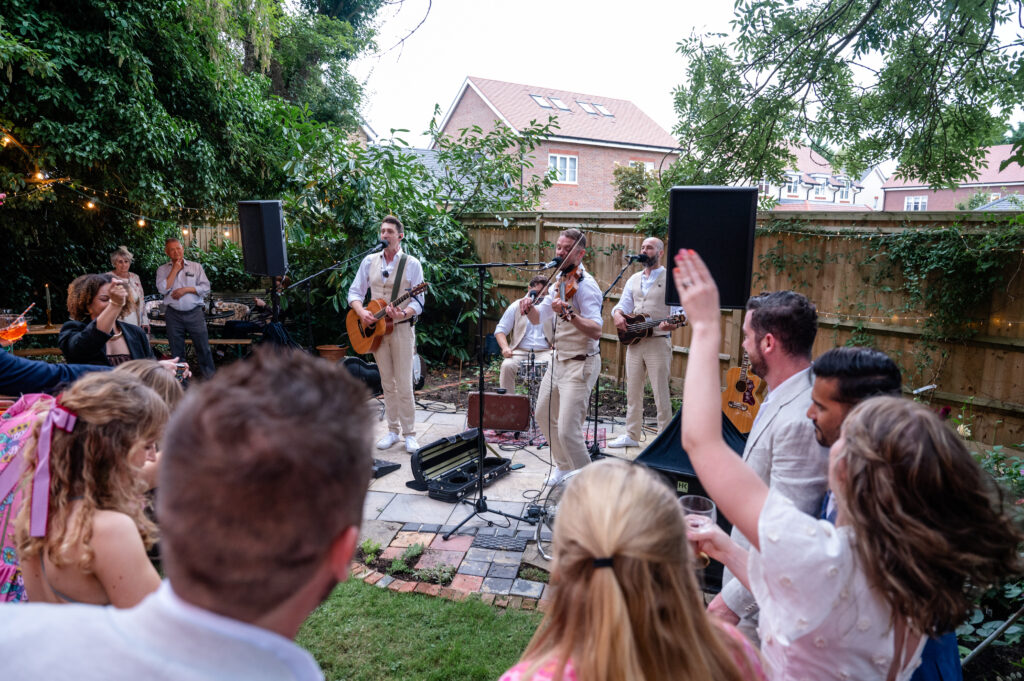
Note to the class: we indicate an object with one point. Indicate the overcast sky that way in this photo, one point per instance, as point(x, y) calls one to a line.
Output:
point(623, 50)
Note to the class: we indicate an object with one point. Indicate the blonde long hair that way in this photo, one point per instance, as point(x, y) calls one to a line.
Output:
point(930, 524)
point(642, 619)
point(116, 413)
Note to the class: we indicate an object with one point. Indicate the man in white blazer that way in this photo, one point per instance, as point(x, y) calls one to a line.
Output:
point(778, 334)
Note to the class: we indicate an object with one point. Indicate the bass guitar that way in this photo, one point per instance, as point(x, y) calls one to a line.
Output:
point(364, 338)
point(743, 396)
point(640, 326)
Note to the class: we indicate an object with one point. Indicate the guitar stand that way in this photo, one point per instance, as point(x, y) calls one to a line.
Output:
point(480, 503)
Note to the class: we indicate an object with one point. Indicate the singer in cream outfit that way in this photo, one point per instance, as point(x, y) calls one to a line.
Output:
point(394, 356)
point(651, 357)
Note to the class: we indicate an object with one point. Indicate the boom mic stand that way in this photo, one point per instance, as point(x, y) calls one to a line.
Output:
point(480, 504)
point(595, 447)
point(377, 248)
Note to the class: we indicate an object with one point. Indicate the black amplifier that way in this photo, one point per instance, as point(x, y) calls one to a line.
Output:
point(447, 468)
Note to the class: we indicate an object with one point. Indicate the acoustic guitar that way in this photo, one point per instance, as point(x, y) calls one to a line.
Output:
point(640, 326)
point(365, 339)
point(743, 396)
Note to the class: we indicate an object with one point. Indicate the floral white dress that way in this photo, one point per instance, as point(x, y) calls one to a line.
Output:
point(820, 619)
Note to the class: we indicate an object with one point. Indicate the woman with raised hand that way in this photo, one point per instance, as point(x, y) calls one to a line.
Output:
point(919, 524)
point(626, 605)
point(97, 332)
point(81, 532)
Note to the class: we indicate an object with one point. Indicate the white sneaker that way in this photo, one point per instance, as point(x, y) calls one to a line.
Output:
point(387, 441)
point(623, 441)
point(557, 475)
point(410, 444)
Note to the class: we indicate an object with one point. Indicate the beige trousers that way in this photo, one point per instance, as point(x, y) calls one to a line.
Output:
point(394, 359)
point(562, 408)
point(652, 356)
point(510, 366)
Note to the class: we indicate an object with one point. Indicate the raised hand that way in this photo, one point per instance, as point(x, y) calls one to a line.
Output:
point(697, 290)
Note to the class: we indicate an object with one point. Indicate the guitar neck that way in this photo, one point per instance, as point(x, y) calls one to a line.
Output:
point(643, 326)
point(397, 301)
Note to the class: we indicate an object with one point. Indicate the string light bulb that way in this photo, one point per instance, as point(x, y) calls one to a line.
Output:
point(40, 176)
point(227, 233)
point(90, 205)
point(185, 231)
point(142, 222)
point(6, 140)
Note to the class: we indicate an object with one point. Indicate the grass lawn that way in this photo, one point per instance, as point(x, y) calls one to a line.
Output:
point(365, 633)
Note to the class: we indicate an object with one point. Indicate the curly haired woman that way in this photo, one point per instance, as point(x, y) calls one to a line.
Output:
point(81, 532)
point(96, 332)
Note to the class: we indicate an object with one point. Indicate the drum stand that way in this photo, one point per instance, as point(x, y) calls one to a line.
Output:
point(533, 388)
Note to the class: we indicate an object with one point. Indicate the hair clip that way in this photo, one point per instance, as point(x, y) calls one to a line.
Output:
point(603, 562)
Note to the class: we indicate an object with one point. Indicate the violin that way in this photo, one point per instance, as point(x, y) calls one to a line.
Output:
point(567, 288)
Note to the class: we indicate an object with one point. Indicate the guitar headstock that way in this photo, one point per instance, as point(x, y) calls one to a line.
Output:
point(418, 289)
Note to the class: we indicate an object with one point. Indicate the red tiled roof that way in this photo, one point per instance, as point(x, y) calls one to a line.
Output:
point(810, 161)
point(990, 175)
point(822, 206)
point(627, 124)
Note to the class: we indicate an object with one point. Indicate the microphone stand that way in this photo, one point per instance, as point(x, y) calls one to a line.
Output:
point(377, 248)
point(595, 447)
point(480, 504)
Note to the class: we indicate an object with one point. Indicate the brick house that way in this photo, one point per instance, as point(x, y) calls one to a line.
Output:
point(813, 185)
point(595, 134)
point(913, 195)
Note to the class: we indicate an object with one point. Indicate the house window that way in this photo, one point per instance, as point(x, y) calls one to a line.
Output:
point(764, 187)
point(844, 191)
point(994, 196)
point(915, 203)
point(647, 165)
point(541, 101)
point(603, 110)
point(586, 107)
point(564, 167)
point(819, 190)
point(559, 103)
point(793, 185)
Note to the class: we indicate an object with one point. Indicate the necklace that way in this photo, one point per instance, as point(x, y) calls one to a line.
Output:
point(115, 336)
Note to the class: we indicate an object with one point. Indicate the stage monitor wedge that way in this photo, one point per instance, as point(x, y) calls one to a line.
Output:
point(718, 223)
point(263, 242)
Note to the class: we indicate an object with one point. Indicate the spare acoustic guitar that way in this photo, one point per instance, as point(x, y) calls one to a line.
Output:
point(365, 339)
point(743, 396)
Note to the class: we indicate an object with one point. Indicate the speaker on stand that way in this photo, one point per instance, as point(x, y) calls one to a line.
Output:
point(263, 243)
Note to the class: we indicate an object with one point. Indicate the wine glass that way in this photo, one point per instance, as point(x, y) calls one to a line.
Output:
point(701, 516)
point(12, 328)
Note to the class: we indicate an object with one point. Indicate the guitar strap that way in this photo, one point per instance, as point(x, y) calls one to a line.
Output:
point(396, 290)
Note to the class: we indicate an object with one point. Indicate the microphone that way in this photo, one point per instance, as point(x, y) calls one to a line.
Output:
point(381, 245)
point(640, 258)
point(555, 262)
point(533, 294)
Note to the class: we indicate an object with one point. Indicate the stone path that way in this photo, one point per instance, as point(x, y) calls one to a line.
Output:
point(397, 517)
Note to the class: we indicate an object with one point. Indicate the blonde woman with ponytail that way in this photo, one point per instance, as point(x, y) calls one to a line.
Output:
point(81, 532)
point(626, 605)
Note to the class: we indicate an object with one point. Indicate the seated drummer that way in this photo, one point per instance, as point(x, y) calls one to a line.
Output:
point(518, 338)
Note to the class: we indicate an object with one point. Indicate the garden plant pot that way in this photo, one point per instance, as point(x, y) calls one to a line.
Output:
point(332, 352)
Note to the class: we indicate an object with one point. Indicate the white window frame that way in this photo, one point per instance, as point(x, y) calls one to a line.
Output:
point(604, 111)
point(541, 102)
point(915, 203)
point(559, 103)
point(844, 191)
point(587, 108)
point(819, 190)
point(792, 187)
point(568, 173)
point(648, 165)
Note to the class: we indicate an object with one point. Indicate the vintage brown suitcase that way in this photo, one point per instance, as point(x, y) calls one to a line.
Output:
point(501, 412)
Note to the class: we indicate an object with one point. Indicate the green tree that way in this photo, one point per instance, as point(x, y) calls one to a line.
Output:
point(631, 183)
point(923, 82)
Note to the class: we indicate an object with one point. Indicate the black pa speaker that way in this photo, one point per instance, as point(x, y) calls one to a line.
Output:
point(718, 223)
point(263, 245)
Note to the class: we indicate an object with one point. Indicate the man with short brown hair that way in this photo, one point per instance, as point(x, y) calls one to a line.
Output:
point(262, 480)
point(521, 340)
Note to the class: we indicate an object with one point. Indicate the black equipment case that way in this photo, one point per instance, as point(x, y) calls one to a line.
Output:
point(447, 468)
